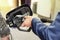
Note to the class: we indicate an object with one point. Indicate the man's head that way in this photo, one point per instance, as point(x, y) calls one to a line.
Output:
point(4, 29)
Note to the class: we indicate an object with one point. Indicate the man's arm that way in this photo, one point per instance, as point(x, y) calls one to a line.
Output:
point(39, 28)
point(51, 32)
point(45, 33)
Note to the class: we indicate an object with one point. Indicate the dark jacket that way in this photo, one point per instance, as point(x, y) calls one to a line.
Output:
point(51, 32)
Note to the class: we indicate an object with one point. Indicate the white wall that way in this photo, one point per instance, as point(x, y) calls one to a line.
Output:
point(47, 7)
point(57, 8)
point(44, 7)
point(7, 5)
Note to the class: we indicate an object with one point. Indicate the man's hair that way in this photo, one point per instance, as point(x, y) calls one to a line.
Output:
point(4, 29)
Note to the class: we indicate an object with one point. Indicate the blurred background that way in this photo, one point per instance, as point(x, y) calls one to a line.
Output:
point(41, 8)
point(46, 8)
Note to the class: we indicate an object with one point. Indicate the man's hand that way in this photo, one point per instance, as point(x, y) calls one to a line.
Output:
point(27, 21)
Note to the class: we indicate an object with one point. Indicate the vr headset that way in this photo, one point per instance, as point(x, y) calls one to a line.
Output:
point(16, 17)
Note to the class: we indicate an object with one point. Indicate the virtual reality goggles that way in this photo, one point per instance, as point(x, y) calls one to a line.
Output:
point(16, 16)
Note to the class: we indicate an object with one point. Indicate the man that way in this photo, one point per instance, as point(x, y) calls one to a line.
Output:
point(41, 30)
